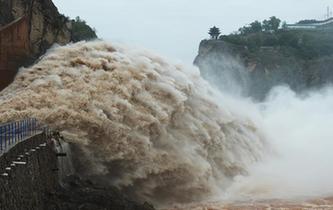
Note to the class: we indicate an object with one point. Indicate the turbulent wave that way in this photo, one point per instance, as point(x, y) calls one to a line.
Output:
point(298, 174)
point(152, 128)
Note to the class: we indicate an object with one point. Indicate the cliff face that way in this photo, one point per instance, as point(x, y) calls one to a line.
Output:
point(14, 48)
point(256, 72)
point(221, 63)
point(27, 29)
point(47, 26)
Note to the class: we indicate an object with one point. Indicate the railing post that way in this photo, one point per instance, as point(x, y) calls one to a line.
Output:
point(17, 134)
point(1, 137)
point(24, 128)
point(10, 133)
point(34, 125)
point(5, 127)
point(13, 133)
point(21, 129)
point(28, 127)
point(30, 123)
point(30, 130)
point(17, 131)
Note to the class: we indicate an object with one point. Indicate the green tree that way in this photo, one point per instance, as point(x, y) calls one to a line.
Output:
point(256, 26)
point(275, 23)
point(82, 31)
point(272, 24)
point(214, 32)
point(245, 30)
point(266, 25)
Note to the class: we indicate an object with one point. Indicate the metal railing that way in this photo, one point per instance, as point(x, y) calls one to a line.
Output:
point(15, 132)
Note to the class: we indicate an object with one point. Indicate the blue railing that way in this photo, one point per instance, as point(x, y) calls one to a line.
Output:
point(14, 132)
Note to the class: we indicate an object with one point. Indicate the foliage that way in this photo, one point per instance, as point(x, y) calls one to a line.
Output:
point(82, 31)
point(305, 44)
point(256, 26)
point(276, 55)
point(271, 25)
point(274, 23)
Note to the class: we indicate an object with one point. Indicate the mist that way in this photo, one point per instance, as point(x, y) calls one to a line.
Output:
point(299, 133)
point(297, 127)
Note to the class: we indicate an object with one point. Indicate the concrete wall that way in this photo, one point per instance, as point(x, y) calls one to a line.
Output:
point(27, 186)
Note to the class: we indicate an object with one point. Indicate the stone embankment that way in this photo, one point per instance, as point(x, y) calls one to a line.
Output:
point(28, 172)
point(31, 175)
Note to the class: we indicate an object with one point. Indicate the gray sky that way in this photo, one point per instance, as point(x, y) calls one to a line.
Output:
point(174, 28)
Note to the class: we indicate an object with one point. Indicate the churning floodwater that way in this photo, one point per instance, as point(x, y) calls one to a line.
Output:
point(161, 133)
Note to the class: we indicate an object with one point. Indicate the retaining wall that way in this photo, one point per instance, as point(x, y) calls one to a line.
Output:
point(26, 185)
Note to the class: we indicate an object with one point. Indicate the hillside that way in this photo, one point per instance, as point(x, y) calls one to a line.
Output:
point(301, 59)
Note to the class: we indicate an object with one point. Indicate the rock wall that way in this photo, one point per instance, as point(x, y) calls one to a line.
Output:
point(14, 48)
point(257, 72)
point(47, 26)
point(27, 186)
point(27, 29)
point(221, 64)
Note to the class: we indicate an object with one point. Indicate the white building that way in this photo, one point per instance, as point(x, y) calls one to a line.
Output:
point(328, 23)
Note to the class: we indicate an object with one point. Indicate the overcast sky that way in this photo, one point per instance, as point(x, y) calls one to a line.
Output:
point(174, 28)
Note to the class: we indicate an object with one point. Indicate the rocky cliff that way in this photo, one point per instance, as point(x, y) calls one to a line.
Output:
point(27, 29)
point(253, 72)
point(47, 26)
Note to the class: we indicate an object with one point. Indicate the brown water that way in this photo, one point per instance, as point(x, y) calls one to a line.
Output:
point(312, 204)
point(152, 128)
point(161, 133)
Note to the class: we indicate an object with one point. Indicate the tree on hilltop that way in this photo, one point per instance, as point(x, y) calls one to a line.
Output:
point(272, 24)
point(82, 31)
point(256, 26)
point(275, 23)
point(214, 32)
